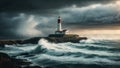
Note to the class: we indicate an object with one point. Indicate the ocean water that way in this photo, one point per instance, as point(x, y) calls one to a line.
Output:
point(91, 53)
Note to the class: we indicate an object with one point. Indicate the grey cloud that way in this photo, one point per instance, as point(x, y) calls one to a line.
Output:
point(41, 6)
point(97, 16)
point(9, 24)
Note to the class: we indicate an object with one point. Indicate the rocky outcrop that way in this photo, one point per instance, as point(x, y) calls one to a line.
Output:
point(8, 62)
point(9, 42)
point(57, 39)
point(65, 39)
point(32, 40)
point(51, 38)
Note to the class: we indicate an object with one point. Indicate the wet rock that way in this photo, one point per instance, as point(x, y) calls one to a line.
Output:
point(2, 45)
point(8, 62)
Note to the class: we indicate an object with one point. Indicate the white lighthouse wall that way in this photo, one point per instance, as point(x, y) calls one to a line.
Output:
point(59, 27)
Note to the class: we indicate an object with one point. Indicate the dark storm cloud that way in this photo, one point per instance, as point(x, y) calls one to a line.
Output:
point(8, 26)
point(94, 16)
point(42, 5)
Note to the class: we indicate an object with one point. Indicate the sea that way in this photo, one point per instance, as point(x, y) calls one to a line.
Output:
point(91, 53)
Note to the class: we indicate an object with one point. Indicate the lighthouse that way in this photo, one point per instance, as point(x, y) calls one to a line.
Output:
point(61, 34)
point(59, 30)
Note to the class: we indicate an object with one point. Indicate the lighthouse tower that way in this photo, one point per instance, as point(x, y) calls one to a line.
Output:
point(59, 30)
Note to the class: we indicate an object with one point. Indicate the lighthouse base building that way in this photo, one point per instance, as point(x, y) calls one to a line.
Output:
point(59, 32)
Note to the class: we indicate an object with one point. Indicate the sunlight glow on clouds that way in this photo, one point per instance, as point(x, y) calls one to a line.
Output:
point(99, 34)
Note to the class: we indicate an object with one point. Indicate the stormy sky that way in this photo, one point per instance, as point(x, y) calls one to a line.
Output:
point(21, 19)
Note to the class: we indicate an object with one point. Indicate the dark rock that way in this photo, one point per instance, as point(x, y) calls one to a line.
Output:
point(8, 62)
point(32, 40)
point(9, 42)
point(51, 38)
point(57, 39)
point(2, 45)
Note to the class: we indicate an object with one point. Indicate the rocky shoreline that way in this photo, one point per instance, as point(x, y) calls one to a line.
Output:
point(35, 40)
point(9, 62)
